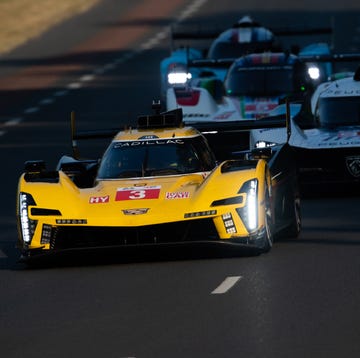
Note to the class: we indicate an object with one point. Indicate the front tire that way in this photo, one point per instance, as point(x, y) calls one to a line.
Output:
point(294, 228)
point(268, 237)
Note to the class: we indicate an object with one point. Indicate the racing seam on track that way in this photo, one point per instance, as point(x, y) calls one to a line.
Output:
point(226, 285)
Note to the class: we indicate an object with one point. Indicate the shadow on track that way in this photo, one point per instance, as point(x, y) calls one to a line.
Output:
point(94, 257)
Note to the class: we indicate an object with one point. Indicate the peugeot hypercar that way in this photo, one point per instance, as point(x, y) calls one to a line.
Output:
point(157, 184)
point(329, 151)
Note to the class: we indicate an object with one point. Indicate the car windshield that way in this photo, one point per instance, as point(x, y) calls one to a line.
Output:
point(339, 111)
point(260, 81)
point(126, 159)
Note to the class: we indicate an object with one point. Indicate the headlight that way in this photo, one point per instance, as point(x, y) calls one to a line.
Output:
point(229, 223)
point(314, 72)
point(178, 74)
point(264, 144)
point(27, 225)
point(178, 78)
point(249, 213)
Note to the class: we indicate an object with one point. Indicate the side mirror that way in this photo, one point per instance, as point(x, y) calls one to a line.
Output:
point(261, 153)
point(34, 166)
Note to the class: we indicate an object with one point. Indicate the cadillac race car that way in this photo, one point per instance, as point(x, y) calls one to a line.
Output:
point(329, 152)
point(158, 184)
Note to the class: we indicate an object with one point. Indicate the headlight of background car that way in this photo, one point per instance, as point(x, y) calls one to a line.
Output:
point(264, 144)
point(249, 213)
point(178, 75)
point(314, 71)
point(27, 225)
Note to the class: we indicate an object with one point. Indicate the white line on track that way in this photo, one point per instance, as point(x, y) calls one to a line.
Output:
point(87, 78)
point(150, 43)
point(99, 71)
point(191, 9)
point(128, 55)
point(162, 34)
point(110, 66)
point(74, 85)
point(226, 285)
point(61, 93)
point(13, 122)
point(119, 61)
point(31, 110)
point(46, 101)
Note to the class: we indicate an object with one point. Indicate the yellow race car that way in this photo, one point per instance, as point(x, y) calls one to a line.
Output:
point(157, 184)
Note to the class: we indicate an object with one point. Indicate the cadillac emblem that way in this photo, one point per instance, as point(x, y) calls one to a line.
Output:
point(353, 165)
point(135, 211)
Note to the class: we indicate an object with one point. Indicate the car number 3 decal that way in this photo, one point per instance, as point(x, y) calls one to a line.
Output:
point(137, 193)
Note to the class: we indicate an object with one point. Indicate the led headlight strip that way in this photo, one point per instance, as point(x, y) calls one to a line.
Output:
point(178, 75)
point(264, 144)
point(175, 78)
point(249, 212)
point(27, 225)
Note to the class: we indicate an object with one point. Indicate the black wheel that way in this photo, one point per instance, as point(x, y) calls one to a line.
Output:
point(268, 237)
point(294, 228)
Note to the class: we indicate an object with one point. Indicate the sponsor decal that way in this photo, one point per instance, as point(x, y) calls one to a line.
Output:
point(137, 143)
point(259, 108)
point(224, 115)
point(149, 137)
point(177, 195)
point(344, 135)
point(137, 193)
point(340, 92)
point(139, 211)
point(187, 98)
point(196, 115)
point(99, 199)
point(205, 174)
point(353, 165)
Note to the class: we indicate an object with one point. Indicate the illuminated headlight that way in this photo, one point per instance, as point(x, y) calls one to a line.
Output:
point(178, 78)
point(27, 225)
point(264, 144)
point(249, 213)
point(46, 234)
point(229, 223)
point(314, 72)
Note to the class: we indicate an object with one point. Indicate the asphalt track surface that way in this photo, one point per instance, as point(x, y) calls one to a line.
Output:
point(300, 300)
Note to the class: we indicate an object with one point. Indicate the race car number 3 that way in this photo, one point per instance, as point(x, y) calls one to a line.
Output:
point(136, 193)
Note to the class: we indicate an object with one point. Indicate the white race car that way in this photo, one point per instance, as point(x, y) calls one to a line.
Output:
point(254, 85)
point(329, 152)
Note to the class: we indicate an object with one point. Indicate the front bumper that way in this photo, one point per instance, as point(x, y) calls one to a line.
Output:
point(98, 241)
